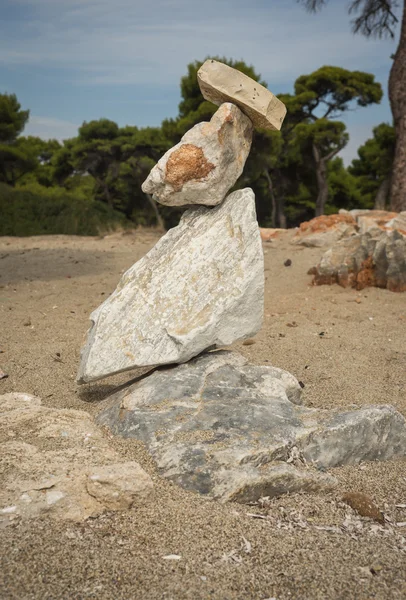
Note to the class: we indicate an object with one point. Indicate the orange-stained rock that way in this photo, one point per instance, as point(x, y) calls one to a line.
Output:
point(325, 230)
point(268, 233)
point(376, 258)
point(375, 218)
point(206, 163)
point(325, 222)
point(187, 163)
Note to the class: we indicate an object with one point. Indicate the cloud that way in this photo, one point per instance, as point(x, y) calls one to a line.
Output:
point(50, 128)
point(138, 42)
point(124, 59)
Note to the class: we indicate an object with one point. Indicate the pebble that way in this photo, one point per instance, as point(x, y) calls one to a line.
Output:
point(363, 505)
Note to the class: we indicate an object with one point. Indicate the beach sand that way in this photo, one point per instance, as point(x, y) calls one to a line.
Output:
point(347, 347)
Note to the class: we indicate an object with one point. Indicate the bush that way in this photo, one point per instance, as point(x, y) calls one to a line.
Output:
point(24, 213)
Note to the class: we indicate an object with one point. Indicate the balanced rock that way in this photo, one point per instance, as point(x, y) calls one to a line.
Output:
point(375, 258)
point(57, 462)
point(202, 285)
point(206, 163)
point(233, 431)
point(220, 83)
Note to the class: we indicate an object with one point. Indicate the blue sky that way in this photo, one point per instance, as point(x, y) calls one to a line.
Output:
point(71, 61)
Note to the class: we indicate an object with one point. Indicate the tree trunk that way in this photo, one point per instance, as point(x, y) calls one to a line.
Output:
point(397, 97)
point(278, 206)
point(273, 199)
point(322, 185)
point(102, 185)
point(107, 194)
point(382, 194)
point(280, 213)
point(159, 220)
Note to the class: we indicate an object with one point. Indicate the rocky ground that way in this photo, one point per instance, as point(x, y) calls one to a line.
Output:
point(346, 347)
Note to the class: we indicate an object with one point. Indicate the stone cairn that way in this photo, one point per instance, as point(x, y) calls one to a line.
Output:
point(202, 285)
point(215, 424)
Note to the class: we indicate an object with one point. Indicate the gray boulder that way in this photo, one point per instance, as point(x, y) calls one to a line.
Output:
point(234, 431)
point(202, 285)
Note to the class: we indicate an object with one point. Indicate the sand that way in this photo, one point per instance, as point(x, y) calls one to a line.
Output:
point(347, 347)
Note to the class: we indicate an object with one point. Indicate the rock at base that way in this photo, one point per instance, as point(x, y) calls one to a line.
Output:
point(234, 431)
point(119, 486)
point(248, 485)
point(58, 463)
point(202, 285)
point(206, 163)
point(220, 83)
point(376, 258)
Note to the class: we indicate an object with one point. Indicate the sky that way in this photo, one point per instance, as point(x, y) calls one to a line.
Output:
point(70, 61)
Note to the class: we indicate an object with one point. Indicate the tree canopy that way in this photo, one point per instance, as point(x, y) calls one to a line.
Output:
point(320, 97)
point(379, 18)
point(372, 168)
point(294, 173)
point(370, 17)
point(12, 118)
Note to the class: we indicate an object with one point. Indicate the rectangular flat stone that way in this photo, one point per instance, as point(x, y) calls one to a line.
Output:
point(220, 83)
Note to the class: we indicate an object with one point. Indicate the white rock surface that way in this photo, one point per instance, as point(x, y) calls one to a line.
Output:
point(220, 83)
point(206, 163)
point(202, 285)
point(119, 487)
point(57, 462)
point(398, 223)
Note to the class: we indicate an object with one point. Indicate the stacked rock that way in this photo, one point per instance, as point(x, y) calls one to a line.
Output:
point(215, 424)
point(202, 285)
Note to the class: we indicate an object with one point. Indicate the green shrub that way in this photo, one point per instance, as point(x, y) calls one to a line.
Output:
point(24, 213)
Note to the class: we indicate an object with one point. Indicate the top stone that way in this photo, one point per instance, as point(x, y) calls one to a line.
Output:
point(220, 83)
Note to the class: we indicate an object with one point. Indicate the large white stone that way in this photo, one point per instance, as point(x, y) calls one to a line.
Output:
point(220, 83)
point(206, 163)
point(202, 285)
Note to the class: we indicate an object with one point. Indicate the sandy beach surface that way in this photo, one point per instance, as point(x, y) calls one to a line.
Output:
point(347, 347)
